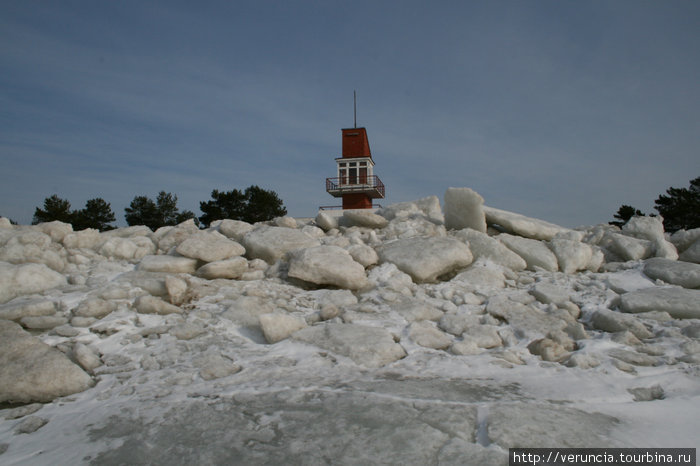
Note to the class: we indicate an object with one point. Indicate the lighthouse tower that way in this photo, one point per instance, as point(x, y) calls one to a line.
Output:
point(355, 182)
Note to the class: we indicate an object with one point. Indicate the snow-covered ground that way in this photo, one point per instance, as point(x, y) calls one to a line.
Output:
point(386, 339)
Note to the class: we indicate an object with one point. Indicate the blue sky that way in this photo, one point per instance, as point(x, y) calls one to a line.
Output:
point(562, 109)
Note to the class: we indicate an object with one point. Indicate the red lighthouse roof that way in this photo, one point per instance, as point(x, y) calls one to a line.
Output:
point(355, 143)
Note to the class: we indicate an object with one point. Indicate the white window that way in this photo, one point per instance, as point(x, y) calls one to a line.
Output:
point(356, 172)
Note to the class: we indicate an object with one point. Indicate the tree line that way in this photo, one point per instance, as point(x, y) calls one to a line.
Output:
point(679, 207)
point(255, 204)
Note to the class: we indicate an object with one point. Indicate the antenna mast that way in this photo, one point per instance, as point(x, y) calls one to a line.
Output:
point(354, 106)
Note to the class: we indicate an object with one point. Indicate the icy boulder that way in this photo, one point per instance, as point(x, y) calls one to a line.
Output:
point(246, 311)
point(326, 222)
point(285, 221)
point(272, 243)
point(234, 229)
point(56, 230)
point(680, 303)
point(215, 366)
point(176, 289)
point(209, 246)
point(168, 264)
point(548, 350)
point(362, 218)
point(338, 298)
point(464, 208)
point(367, 346)
point(151, 305)
point(402, 227)
point(430, 206)
point(27, 308)
point(152, 283)
point(86, 357)
point(363, 254)
point(427, 207)
point(123, 248)
point(425, 259)
point(627, 247)
point(535, 253)
point(390, 277)
point(459, 322)
point(94, 307)
point(683, 239)
point(277, 326)
point(34, 238)
point(169, 237)
point(313, 231)
point(18, 280)
point(651, 229)
point(522, 226)
point(327, 265)
point(627, 280)
point(665, 249)
point(678, 273)
point(549, 293)
point(482, 276)
point(611, 321)
point(31, 370)
point(571, 255)
point(187, 330)
point(425, 334)
point(83, 239)
point(43, 322)
point(527, 320)
point(33, 246)
point(483, 246)
point(144, 246)
point(692, 253)
point(230, 268)
point(415, 311)
point(483, 336)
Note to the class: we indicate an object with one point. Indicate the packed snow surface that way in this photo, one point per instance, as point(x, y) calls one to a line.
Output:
point(393, 337)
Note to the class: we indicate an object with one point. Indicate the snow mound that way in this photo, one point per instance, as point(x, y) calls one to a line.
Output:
point(402, 336)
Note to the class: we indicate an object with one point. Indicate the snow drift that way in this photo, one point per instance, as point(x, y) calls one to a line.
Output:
point(397, 336)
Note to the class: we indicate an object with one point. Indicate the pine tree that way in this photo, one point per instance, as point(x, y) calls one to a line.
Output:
point(96, 214)
point(229, 204)
point(166, 204)
point(143, 211)
point(55, 208)
point(155, 214)
point(262, 205)
point(680, 208)
point(624, 213)
point(253, 205)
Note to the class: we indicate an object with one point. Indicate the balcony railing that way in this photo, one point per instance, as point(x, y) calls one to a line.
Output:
point(370, 185)
point(340, 207)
